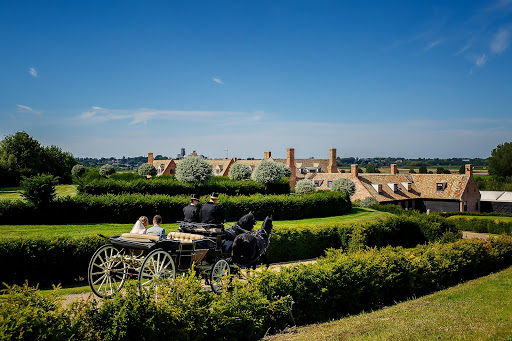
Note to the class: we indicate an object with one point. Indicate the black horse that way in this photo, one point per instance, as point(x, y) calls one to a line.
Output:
point(243, 225)
point(248, 248)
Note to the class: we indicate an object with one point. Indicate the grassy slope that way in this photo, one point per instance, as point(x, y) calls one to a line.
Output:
point(8, 231)
point(15, 192)
point(480, 309)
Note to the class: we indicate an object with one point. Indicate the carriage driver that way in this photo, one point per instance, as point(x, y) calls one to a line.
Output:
point(191, 211)
point(210, 212)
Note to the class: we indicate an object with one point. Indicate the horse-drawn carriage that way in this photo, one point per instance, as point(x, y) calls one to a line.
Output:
point(216, 253)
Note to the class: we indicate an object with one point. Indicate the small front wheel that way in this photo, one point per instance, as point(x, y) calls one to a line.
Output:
point(220, 276)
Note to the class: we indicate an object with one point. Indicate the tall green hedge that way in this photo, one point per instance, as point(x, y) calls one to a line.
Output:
point(337, 285)
point(170, 186)
point(127, 208)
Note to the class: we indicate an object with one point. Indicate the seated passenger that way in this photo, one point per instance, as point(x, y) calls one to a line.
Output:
point(156, 230)
point(191, 211)
point(140, 225)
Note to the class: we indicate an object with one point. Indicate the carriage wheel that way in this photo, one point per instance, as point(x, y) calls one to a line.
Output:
point(220, 275)
point(158, 268)
point(107, 271)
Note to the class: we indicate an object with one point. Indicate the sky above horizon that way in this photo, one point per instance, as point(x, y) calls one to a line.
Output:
point(237, 78)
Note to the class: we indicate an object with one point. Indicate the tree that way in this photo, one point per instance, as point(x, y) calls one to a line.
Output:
point(106, 170)
point(78, 170)
point(56, 162)
point(146, 169)
point(25, 149)
point(285, 169)
point(239, 171)
point(462, 169)
point(440, 170)
point(412, 171)
point(370, 169)
point(369, 202)
point(304, 187)
point(423, 170)
point(343, 185)
point(194, 170)
point(267, 172)
point(500, 161)
point(39, 189)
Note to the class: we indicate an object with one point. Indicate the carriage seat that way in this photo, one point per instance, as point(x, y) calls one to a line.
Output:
point(143, 238)
point(187, 238)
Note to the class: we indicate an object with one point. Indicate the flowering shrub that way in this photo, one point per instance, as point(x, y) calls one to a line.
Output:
point(369, 202)
point(285, 169)
point(239, 171)
point(106, 170)
point(342, 185)
point(146, 169)
point(304, 187)
point(194, 170)
point(267, 172)
point(78, 170)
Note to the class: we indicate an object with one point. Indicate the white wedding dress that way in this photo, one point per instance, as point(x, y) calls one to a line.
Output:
point(138, 228)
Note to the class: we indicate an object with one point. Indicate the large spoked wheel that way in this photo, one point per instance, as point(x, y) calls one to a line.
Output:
point(158, 269)
point(220, 276)
point(107, 271)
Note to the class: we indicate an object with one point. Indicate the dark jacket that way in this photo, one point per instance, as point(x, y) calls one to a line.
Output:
point(191, 213)
point(211, 213)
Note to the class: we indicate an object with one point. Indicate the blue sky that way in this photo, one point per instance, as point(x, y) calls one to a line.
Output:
point(237, 78)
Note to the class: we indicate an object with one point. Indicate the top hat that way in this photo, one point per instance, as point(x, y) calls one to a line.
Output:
point(214, 195)
point(194, 197)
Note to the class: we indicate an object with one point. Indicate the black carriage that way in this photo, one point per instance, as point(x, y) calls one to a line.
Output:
point(150, 259)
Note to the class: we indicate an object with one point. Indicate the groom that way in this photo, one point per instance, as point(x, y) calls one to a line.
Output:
point(156, 230)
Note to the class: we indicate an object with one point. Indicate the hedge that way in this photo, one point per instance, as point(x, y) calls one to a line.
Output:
point(170, 186)
point(482, 225)
point(65, 260)
point(339, 284)
point(127, 208)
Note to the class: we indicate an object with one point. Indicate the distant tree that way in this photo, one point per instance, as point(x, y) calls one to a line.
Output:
point(24, 148)
point(304, 187)
point(369, 202)
point(462, 169)
point(78, 170)
point(106, 170)
point(39, 189)
point(285, 169)
point(423, 170)
point(500, 161)
point(440, 170)
point(412, 171)
point(370, 169)
point(146, 169)
point(447, 171)
point(56, 162)
point(267, 172)
point(239, 171)
point(343, 185)
point(194, 170)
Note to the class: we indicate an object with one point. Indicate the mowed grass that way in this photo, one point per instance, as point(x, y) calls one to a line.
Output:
point(79, 230)
point(480, 309)
point(10, 193)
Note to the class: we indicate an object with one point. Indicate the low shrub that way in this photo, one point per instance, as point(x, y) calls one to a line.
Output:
point(482, 225)
point(369, 202)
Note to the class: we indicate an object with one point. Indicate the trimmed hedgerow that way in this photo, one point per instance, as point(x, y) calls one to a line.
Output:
point(482, 225)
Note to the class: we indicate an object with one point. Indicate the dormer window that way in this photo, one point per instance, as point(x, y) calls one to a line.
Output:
point(394, 187)
point(440, 186)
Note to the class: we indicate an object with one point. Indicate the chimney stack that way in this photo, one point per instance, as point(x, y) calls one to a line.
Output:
point(150, 158)
point(333, 164)
point(267, 155)
point(290, 162)
point(354, 170)
point(469, 170)
point(394, 169)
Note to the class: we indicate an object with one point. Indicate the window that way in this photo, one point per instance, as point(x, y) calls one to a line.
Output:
point(171, 170)
point(440, 186)
point(329, 183)
point(476, 205)
point(465, 206)
point(317, 183)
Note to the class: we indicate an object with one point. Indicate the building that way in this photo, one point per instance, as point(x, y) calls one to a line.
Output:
point(496, 201)
point(434, 192)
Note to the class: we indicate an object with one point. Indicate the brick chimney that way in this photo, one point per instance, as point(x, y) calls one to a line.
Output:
point(150, 158)
point(290, 162)
point(354, 170)
point(468, 170)
point(267, 155)
point(333, 165)
point(394, 169)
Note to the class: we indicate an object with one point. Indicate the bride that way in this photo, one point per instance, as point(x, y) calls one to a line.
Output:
point(140, 225)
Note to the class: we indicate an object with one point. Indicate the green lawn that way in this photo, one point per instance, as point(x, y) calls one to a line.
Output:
point(78, 230)
point(15, 192)
point(480, 309)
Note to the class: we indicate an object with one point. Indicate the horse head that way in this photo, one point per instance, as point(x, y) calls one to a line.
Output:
point(247, 222)
point(267, 225)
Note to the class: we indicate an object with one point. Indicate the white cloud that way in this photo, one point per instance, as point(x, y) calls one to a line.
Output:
point(432, 45)
point(500, 41)
point(480, 60)
point(464, 49)
point(26, 109)
point(217, 80)
point(32, 71)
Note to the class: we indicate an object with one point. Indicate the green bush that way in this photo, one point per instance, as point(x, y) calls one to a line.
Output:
point(124, 176)
point(106, 170)
point(78, 170)
point(267, 172)
point(343, 185)
point(304, 187)
point(239, 171)
point(193, 170)
point(369, 202)
point(146, 169)
point(39, 189)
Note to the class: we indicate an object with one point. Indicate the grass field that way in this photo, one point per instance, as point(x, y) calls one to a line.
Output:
point(15, 192)
point(480, 309)
point(79, 230)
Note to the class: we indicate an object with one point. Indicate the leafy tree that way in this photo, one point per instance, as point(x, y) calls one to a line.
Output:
point(239, 171)
point(423, 170)
point(193, 169)
point(147, 169)
point(369, 202)
point(57, 162)
point(370, 169)
point(462, 169)
point(78, 170)
point(440, 170)
point(39, 189)
point(412, 171)
point(106, 170)
point(500, 161)
point(343, 185)
point(267, 172)
point(24, 148)
point(304, 187)
point(285, 169)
